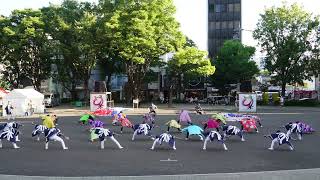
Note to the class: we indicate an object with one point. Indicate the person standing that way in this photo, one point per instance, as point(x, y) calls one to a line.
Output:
point(30, 108)
point(9, 111)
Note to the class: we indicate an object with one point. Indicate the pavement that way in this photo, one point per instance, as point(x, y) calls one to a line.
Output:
point(136, 159)
point(163, 109)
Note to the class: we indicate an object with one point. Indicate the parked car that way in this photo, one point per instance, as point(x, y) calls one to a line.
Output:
point(51, 99)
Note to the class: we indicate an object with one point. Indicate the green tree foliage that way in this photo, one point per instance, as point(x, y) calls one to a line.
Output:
point(191, 60)
point(188, 61)
point(233, 64)
point(286, 35)
point(140, 32)
point(25, 49)
point(72, 27)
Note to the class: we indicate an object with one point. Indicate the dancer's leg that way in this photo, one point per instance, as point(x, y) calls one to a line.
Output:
point(134, 134)
point(59, 139)
point(272, 144)
point(205, 143)
point(116, 142)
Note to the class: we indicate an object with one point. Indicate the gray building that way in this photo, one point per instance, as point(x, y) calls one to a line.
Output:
point(224, 22)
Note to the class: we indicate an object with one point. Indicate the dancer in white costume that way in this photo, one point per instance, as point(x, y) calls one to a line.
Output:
point(142, 129)
point(103, 133)
point(164, 137)
point(11, 125)
point(294, 128)
point(231, 131)
point(11, 135)
point(214, 135)
point(38, 130)
point(54, 134)
point(281, 138)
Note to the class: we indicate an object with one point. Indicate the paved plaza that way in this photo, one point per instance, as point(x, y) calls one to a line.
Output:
point(86, 159)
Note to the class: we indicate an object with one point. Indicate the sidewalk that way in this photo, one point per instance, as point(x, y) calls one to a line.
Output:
point(163, 109)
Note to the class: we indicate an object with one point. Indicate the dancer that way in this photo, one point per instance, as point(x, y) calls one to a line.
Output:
point(164, 137)
point(9, 111)
point(214, 135)
point(232, 130)
point(219, 116)
point(54, 134)
point(184, 117)
point(306, 128)
point(173, 124)
point(48, 121)
point(152, 109)
point(212, 123)
point(103, 133)
point(94, 124)
point(249, 125)
point(85, 119)
point(38, 130)
point(294, 128)
point(125, 122)
point(149, 118)
point(10, 132)
point(11, 125)
point(140, 129)
point(117, 116)
point(198, 109)
point(281, 138)
point(193, 130)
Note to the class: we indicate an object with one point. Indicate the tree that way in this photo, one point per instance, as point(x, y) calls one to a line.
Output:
point(142, 31)
point(72, 26)
point(286, 35)
point(25, 49)
point(233, 65)
point(188, 61)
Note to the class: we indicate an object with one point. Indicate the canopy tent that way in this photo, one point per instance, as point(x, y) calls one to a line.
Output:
point(19, 99)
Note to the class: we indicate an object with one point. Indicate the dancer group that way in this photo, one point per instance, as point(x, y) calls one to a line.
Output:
point(215, 128)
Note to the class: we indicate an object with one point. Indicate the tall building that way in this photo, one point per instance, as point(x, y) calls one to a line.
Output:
point(224, 22)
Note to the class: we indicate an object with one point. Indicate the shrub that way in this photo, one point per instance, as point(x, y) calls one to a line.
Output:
point(265, 98)
point(276, 99)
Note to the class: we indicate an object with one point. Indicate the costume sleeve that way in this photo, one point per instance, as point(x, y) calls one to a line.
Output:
point(184, 129)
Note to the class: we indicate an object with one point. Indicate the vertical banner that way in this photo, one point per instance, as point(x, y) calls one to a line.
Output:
point(247, 102)
point(98, 101)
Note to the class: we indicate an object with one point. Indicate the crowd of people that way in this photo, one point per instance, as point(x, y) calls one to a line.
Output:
point(216, 128)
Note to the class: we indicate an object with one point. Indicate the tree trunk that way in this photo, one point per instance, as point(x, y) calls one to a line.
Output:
point(86, 89)
point(73, 92)
point(109, 82)
point(283, 89)
point(170, 96)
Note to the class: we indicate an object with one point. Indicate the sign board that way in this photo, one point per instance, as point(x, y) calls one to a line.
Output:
point(98, 101)
point(247, 102)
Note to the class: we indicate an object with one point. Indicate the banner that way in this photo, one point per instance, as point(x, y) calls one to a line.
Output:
point(247, 102)
point(98, 101)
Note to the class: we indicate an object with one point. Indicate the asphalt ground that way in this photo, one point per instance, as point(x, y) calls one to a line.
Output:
point(87, 159)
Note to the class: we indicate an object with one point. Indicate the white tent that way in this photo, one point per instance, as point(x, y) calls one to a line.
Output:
point(19, 99)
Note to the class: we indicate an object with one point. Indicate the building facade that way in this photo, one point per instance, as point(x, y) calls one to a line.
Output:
point(224, 23)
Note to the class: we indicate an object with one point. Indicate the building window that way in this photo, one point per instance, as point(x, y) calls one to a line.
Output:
point(237, 7)
point(224, 25)
point(211, 25)
point(230, 24)
point(230, 7)
point(236, 25)
point(218, 25)
point(220, 8)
